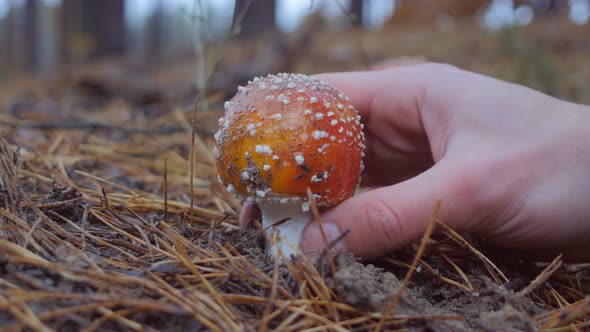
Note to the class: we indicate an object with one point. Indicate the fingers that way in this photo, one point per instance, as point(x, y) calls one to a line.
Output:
point(385, 164)
point(389, 218)
point(389, 102)
point(359, 86)
point(395, 89)
point(400, 61)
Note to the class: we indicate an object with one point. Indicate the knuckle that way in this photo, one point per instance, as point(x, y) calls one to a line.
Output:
point(439, 68)
point(384, 223)
point(480, 187)
point(468, 184)
point(466, 187)
point(442, 67)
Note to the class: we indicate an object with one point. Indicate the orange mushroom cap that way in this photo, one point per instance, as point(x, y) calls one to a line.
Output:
point(284, 133)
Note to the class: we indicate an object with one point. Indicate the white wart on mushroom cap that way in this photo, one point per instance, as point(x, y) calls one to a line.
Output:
point(284, 133)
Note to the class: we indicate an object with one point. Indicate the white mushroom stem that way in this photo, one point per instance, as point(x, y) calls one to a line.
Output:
point(290, 231)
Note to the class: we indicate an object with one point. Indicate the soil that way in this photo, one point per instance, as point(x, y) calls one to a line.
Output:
point(371, 287)
point(366, 286)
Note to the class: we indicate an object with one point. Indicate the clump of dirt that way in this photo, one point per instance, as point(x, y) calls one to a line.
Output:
point(65, 201)
point(496, 308)
point(489, 306)
point(365, 286)
point(507, 319)
point(372, 288)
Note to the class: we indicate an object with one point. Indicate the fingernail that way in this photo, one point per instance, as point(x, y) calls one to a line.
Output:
point(313, 241)
point(249, 212)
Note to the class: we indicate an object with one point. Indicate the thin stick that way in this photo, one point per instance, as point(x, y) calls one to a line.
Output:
point(457, 238)
point(318, 220)
point(90, 125)
point(106, 198)
point(468, 285)
point(332, 244)
point(166, 188)
point(237, 24)
point(273, 290)
point(280, 222)
point(192, 159)
point(542, 277)
point(199, 43)
point(419, 253)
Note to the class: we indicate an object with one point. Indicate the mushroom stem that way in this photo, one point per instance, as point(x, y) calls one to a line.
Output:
point(290, 231)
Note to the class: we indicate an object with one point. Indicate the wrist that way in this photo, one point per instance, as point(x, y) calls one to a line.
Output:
point(555, 216)
point(574, 200)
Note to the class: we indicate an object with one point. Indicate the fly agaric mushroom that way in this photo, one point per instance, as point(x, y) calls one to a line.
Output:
point(281, 135)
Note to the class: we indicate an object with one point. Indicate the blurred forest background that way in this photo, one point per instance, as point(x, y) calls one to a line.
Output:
point(45, 36)
point(38, 34)
point(111, 217)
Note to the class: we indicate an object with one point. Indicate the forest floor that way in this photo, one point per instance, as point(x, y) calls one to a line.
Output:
point(111, 217)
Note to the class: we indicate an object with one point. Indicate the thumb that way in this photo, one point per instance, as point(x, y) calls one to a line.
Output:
point(385, 219)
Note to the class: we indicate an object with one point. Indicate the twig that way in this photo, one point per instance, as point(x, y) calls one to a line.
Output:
point(406, 281)
point(192, 159)
point(199, 43)
point(236, 28)
point(273, 289)
point(566, 315)
point(351, 18)
point(166, 188)
point(542, 277)
point(215, 224)
point(460, 240)
point(275, 224)
point(54, 205)
point(318, 220)
point(468, 285)
point(333, 243)
point(91, 125)
point(106, 199)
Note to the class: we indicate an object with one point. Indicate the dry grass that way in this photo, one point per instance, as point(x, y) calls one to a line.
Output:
point(99, 233)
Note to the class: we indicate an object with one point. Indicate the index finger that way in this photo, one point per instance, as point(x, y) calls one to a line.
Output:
point(389, 97)
point(397, 127)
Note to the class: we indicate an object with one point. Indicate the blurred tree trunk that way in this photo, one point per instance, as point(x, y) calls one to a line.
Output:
point(428, 10)
point(356, 9)
point(30, 18)
point(70, 18)
point(48, 38)
point(252, 17)
point(5, 34)
point(105, 20)
point(16, 35)
point(93, 28)
point(546, 6)
point(155, 33)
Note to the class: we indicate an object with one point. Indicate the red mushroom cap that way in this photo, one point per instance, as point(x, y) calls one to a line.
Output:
point(284, 133)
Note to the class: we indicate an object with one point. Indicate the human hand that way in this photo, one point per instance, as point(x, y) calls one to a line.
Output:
point(507, 162)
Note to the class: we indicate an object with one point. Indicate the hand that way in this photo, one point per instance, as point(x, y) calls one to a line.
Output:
point(507, 162)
